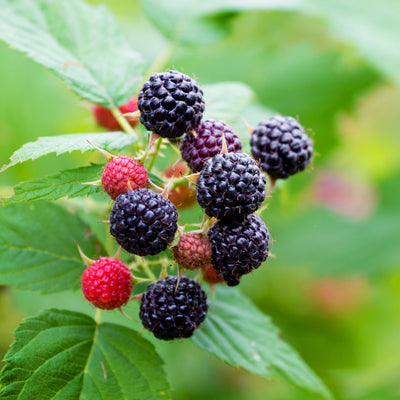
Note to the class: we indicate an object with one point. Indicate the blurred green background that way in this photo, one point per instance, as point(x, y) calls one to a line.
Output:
point(333, 283)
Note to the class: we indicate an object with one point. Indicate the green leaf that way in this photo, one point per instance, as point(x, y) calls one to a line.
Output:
point(63, 355)
point(323, 242)
point(227, 100)
point(156, 179)
point(81, 43)
point(371, 28)
point(67, 143)
point(232, 101)
point(241, 335)
point(38, 249)
point(194, 22)
point(64, 184)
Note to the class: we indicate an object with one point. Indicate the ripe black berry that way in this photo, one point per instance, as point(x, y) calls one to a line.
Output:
point(143, 222)
point(171, 311)
point(170, 104)
point(238, 248)
point(281, 146)
point(197, 148)
point(230, 186)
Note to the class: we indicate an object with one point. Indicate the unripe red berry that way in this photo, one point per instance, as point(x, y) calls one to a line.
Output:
point(192, 251)
point(107, 283)
point(106, 119)
point(182, 196)
point(122, 174)
point(210, 275)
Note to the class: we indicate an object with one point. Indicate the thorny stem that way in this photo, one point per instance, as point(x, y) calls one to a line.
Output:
point(155, 154)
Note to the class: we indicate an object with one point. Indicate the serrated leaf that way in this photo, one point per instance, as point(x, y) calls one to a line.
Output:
point(81, 43)
point(67, 183)
point(38, 249)
point(67, 143)
point(63, 355)
point(241, 335)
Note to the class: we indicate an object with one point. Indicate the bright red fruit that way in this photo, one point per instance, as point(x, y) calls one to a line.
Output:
point(122, 174)
point(107, 283)
point(106, 119)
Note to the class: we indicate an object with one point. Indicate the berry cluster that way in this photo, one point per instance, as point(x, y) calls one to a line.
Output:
point(230, 186)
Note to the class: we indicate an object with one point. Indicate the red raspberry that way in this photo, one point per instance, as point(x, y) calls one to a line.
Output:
point(210, 275)
point(183, 196)
point(121, 170)
point(107, 283)
point(106, 119)
point(192, 251)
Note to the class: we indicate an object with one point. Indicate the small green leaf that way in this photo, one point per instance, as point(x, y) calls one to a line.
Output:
point(64, 184)
point(241, 335)
point(81, 43)
point(156, 179)
point(63, 355)
point(38, 249)
point(67, 143)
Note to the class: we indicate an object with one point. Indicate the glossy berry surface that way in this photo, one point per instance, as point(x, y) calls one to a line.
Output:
point(107, 283)
point(173, 311)
point(192, 251)
point(238, 248)
point(281, 146)
point(143, 222)
point(197, 148)
point(230, 186)
point(106, 119)
point(171, 104)
point(122, 174)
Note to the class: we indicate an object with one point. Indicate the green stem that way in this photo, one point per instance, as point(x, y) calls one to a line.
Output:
point(148, 271)
point(125, 125)
point(155, 154)
point(149, 145)
point(179, 182)
point(97, 317)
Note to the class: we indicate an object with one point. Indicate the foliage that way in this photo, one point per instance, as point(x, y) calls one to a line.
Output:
point(61, 354)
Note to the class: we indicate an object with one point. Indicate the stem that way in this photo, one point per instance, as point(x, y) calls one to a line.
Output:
point(272, 183)
point(148, 271)
point(149, 145)
point(179, 182)
point(125, 125)
point(97, 317)
point(155, 154)
point(123, 121)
